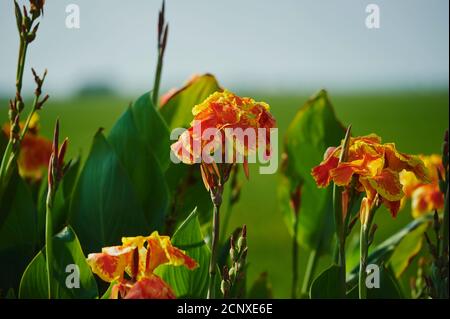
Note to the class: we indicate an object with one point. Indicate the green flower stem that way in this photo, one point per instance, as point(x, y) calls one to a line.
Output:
point(340, 233)
point(294, 259)
point(21, 63)
point(157, 79)
point(310, 270)
point(216, 197)
point(364, 252)
point(49, 241)
point(10, 154)
point(226, 219)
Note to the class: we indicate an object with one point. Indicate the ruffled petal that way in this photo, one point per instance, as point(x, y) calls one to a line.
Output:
point(387, 184)
point(322, 172)
point(110, 264)
point(161, 251)
point(393, 206)
point(151, 287)
point(400, 161)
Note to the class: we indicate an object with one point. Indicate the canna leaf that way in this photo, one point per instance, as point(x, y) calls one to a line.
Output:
point(66, 251)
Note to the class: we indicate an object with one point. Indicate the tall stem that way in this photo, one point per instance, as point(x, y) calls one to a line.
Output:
point(310, 270)
point(49, 242)
point(294, 260)
point(216, 197)
point(337, 206)
point(9, 155)
point(157, 79)
point(364, 252)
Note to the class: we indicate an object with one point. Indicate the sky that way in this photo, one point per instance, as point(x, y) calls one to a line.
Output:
point(295, 45)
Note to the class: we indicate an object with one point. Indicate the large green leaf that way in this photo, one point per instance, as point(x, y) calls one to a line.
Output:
point(313, 129)
point(382, 253)
point(407, 249)
point(177, 111)
point(151, 128)
point(140, 162)
point(325, 286)
point(389, 287)
point(185, 181)
point(189, 283)
point(66, 251)
point(105, 206)
point(18, 233)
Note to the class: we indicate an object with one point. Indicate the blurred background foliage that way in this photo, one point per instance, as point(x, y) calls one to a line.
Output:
point(414, 120)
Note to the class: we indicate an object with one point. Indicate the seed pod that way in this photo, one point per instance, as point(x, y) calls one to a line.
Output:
point(225, 287)
point(232, 273)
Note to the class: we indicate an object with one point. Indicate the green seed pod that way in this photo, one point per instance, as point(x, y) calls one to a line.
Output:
point(232, 273)
point(225, 287)
point(242, 243)
point(232, 254)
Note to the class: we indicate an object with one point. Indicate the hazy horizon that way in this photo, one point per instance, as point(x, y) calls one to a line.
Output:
point(272, 46)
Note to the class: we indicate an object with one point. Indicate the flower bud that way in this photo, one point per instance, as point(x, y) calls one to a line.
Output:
point(232, 254)
point(242, 243)
point(232, 273)
point(225, 287)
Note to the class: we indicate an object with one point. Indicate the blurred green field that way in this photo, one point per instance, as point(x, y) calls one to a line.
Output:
point(415, 121)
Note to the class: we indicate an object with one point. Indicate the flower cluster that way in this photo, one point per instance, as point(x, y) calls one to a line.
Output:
point(371, 167)
point(426, 197)
point(35, 150)
point(131, 266)
point(219, 111)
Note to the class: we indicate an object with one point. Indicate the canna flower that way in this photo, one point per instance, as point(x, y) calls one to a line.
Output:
point(425, 197)
point(219, 112)
point(131, 266)
point(373, 168)
point(35, 150)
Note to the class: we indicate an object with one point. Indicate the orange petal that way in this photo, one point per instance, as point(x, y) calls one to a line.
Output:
point(397, 161)
point(321, 173)
point(393, 206)
point(34, 155)
point(387, 184)
point(151, 287)
point(161, 251)
point(110, 264)
point(426, 199)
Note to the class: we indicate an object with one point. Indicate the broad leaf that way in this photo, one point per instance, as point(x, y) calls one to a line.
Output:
point(189, 283)
point(389, 287)
point(177, 111)
point(407, 249)
point(313, 129)
point(105, 206)
point(325, 285)
point(66, 251)
point(151, 128)
point(382, 253)
point(140, 162)
point(18, 232)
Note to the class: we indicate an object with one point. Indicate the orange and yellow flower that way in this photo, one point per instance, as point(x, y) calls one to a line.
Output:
point(35, 150)
point(222, 110)
point(425, 197)
point(373, 168)
point(137, 258)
